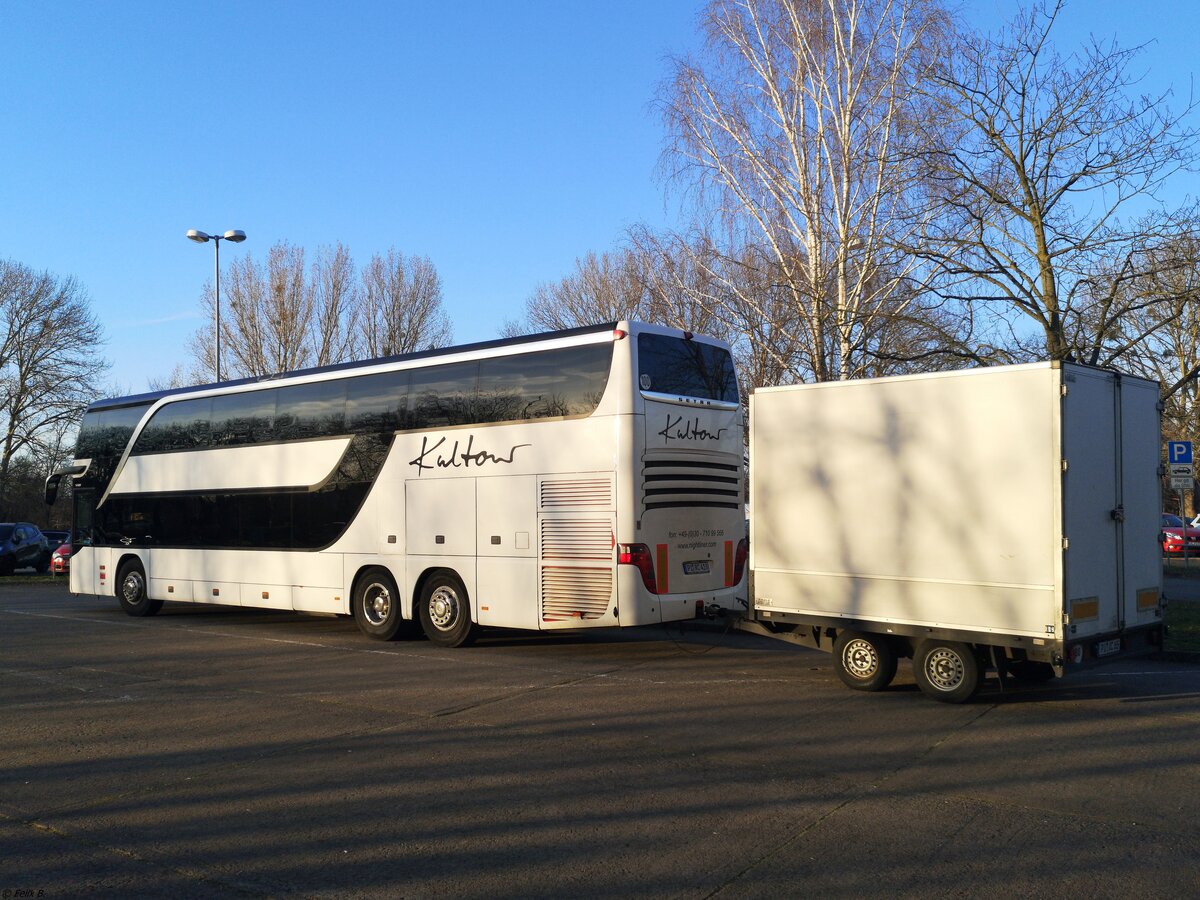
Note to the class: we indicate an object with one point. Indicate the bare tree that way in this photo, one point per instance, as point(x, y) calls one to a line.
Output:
point(266, 316)
point(402, 309)
point(604, 288)
point(336, 299)
point(1035, 156)
point(1161, 332)
point(49, 364)
point(793, 134)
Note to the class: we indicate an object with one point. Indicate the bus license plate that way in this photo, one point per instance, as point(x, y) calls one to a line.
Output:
point(1108, 648)
point(696, 567)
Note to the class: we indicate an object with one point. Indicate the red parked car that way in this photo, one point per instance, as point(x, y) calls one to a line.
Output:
point(60, 560)
point(1173, 531)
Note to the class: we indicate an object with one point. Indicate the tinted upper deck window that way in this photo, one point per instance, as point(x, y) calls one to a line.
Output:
point(104, 433)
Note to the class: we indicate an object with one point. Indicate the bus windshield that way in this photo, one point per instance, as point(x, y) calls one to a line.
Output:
point(687, 368)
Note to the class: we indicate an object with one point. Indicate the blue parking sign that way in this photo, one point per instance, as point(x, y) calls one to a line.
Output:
point(1179, 452)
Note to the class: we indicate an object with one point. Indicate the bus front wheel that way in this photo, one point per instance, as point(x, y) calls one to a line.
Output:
point(376, 605)
point(446, 611)
point(131, 591)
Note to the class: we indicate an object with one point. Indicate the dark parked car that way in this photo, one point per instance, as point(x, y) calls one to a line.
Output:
point(56, 538)
point(22, 546)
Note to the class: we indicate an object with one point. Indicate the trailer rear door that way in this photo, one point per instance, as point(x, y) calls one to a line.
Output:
point(1110, 498)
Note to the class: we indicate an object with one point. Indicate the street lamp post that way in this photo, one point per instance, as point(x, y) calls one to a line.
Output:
point(200, 237)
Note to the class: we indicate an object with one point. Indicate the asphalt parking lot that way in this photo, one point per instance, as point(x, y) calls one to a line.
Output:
point(265, 754)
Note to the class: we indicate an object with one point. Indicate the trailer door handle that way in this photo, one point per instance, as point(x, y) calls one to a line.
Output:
point(1118, 514)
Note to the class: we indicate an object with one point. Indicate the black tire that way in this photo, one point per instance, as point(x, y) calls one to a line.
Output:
point(376, 605)
point(947, 671)
point(1027, 671)
point(864, 662)
point(131, 591)
point(446, 611)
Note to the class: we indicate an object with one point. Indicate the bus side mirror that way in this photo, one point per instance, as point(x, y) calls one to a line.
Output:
point(53, 480)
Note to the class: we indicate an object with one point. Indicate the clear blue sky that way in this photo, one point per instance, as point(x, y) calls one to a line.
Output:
point(502, 140)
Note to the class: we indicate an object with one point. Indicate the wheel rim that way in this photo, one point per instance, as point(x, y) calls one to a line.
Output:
point(945, 669)
point(444, 608)
point(131, 587)
point(377, 604)
point(860, 659)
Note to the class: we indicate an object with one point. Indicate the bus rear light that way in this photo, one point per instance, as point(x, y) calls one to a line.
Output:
point(739, 560)
point(639, 555)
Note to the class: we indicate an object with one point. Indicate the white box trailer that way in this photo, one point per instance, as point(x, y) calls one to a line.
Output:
point(1000, 517)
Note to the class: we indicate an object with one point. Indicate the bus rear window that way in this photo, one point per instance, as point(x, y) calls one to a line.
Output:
point(672, 365)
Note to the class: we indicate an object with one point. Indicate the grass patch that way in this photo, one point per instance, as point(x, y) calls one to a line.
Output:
point(1183, 618)
point(31, 578)
point(1176, 569)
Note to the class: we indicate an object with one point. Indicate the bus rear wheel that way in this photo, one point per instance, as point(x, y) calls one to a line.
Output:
point(376, 605)
point(446, 611)
point(865, 662)
point(131, 591)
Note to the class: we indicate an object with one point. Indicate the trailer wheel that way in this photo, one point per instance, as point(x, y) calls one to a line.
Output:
point(947, 671)
point(864, 662)
point(131, 591)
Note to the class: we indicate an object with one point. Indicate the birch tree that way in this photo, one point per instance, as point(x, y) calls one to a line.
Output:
point(792, 132)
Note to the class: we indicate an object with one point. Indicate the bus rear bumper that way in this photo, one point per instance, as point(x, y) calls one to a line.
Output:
point(637, 606)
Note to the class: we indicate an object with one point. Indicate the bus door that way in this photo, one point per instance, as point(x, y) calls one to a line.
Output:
point(83, 550)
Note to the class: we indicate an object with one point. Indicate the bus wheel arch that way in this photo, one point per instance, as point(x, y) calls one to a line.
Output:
point(445, 608)
point(133, 589)
point(376, 604)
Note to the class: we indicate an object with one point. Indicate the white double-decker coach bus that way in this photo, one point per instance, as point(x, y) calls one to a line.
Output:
point(580, 478)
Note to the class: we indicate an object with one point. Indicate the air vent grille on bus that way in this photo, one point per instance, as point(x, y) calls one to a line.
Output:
point(591, 492)
point(578, 559)
point(577, 539)
point(675, 483)
point(575, 593)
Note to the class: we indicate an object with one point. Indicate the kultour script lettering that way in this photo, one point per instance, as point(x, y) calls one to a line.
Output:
point(679, 430)
point(432, 457)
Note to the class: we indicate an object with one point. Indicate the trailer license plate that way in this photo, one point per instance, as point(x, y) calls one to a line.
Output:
point(696, 567)
point(1108, 648)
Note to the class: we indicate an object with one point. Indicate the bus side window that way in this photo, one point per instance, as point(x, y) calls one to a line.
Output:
point(377, 404)
point(443, 396)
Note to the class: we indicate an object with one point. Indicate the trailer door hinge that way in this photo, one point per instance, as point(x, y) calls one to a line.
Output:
point(1063, 389)
point(1066, 543)
point(1065, 465)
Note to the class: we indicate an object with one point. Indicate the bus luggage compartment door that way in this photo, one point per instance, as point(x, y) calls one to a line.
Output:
point(439, 526)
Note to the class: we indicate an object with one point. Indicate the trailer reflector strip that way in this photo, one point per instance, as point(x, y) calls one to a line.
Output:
point(1082, 610)
point(1147, 598)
